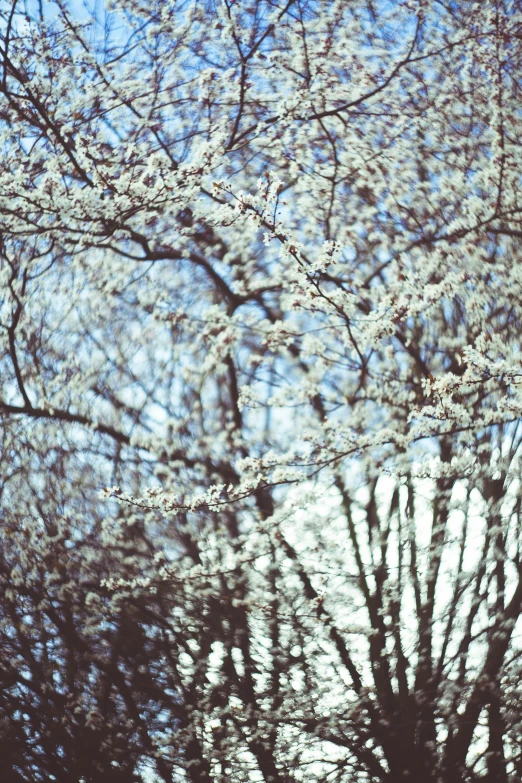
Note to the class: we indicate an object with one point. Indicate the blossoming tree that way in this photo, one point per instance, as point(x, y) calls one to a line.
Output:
point(260, 391)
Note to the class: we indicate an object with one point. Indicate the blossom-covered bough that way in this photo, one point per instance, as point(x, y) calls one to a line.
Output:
point(261, 382)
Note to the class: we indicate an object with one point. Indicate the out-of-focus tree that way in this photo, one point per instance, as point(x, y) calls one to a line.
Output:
point(261, 281)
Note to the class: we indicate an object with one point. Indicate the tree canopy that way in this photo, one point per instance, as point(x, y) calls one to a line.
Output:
point(260, 391)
